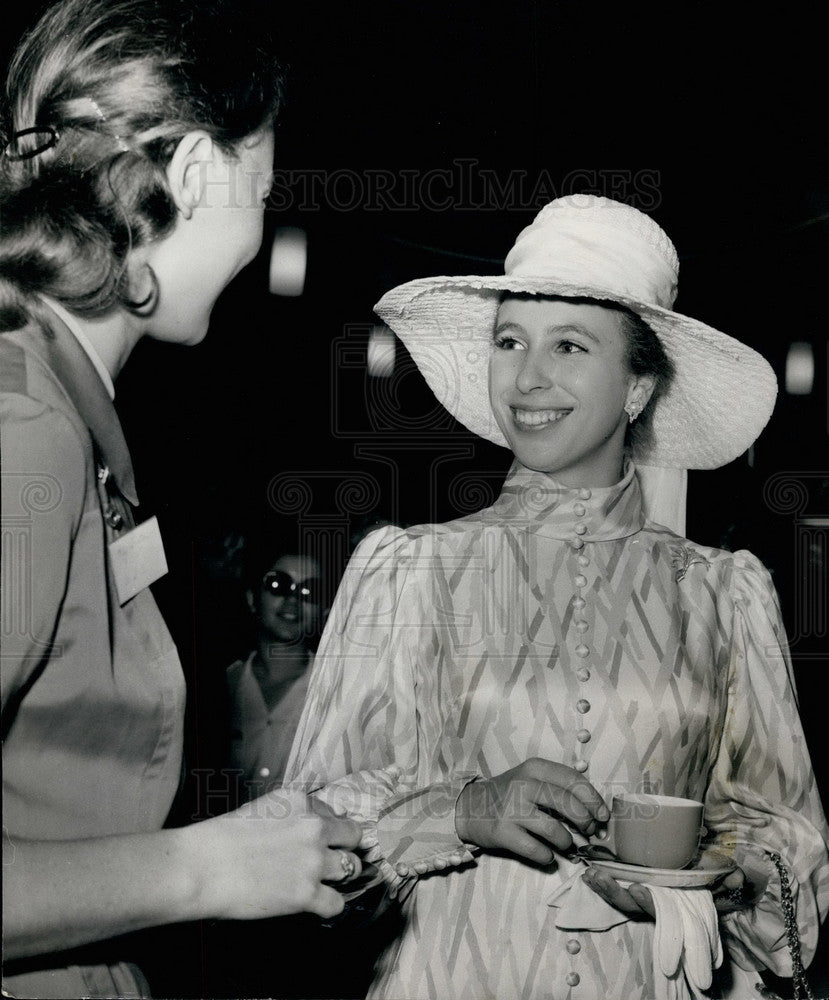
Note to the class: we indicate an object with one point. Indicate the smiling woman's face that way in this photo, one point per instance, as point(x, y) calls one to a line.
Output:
point(287, 619)
point(558, 385)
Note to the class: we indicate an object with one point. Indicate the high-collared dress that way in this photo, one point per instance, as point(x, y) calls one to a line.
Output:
point(93, 692)
point(558, 624)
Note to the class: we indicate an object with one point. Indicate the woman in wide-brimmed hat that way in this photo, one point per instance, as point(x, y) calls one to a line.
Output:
point(484, 686)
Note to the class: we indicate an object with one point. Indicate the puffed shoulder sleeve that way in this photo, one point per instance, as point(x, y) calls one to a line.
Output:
point(762, 796)
point(43, 495)
point(359, 745)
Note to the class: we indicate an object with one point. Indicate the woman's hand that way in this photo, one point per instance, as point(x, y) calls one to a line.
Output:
point(635, 901)
point(731, 895)
point(524, 810)
point(273, 857)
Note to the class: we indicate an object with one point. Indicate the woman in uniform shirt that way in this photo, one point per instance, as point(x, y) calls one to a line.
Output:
point(138, 157)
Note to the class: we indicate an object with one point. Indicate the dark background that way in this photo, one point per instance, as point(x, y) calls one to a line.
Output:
point(713, 124)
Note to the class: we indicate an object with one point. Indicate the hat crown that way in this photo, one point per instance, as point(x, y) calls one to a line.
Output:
point(600, 243)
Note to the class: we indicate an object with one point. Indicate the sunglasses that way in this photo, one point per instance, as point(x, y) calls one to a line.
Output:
point(281, 584)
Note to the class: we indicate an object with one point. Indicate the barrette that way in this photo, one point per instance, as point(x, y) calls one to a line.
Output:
point(52, 137)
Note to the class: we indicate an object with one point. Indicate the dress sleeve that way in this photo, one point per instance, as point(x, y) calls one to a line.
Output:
point(762, 796)
point(359, 745)
point(43, 494)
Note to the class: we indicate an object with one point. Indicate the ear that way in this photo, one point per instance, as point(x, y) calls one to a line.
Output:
point(187, 170)
point(640, 391)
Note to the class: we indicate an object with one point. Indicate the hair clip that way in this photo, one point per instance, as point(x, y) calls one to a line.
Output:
point(52, 140)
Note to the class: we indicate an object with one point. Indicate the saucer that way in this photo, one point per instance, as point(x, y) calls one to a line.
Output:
point(672, 878)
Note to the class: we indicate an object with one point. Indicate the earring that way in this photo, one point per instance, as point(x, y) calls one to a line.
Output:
point(147, 305)
point(632, 409)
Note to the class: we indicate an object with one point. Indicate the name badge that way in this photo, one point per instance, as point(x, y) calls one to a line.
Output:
point(137, 559)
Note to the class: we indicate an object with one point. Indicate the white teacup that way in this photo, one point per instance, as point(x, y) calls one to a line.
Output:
point(657, 831)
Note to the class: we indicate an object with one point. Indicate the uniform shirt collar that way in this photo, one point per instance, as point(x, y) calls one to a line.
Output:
point(75, 328)
point(76, 372)
point(549, 508)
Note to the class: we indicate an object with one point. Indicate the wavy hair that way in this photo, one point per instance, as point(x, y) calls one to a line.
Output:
point(121, 82)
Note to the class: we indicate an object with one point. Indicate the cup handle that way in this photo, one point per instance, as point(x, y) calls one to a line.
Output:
point(605, 837)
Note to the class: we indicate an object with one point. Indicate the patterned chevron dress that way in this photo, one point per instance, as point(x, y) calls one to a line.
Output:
point(556, 623)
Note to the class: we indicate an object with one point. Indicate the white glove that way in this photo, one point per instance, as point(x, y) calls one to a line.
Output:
point(686, 944)
point(667, 944)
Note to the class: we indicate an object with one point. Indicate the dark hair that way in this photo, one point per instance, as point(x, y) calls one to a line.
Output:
point(120, 82)
point(267, 541)
point(645, 355)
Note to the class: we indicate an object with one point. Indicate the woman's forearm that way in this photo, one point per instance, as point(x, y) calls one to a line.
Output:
point(61, 894)
point(270, 858)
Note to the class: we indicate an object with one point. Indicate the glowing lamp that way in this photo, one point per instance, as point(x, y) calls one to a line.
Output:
point(800, 369)
point(381, 350)
point(289, 256)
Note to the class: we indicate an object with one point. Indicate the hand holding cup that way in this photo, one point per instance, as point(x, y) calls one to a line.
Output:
point(528, 809)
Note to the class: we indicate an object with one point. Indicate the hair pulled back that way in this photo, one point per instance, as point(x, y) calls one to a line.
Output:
point(644, 355)
point(121, 82)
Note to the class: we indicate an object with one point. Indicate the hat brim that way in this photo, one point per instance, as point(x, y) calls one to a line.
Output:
point(721, 398)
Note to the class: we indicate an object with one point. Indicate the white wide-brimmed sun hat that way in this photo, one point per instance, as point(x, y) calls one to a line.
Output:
point(585, 246)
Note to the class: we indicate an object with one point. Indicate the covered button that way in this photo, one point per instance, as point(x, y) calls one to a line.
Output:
point(572, 979)
point(580, 529)
point(582, 706)
point(582, 650)
point(579, 509)
point(583, 674)
point(585, 493)
point(580, 581)
point(583, 736)
point(581, 766)
point(573, 946)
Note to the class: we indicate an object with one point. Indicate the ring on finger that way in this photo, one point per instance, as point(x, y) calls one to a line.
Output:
point(348, 866)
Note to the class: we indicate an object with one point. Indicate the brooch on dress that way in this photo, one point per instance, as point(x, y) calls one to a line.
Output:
point(683, 558)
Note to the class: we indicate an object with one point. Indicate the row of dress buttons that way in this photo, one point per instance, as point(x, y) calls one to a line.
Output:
point(424, 867)
point(573, 948)
point(582, 626)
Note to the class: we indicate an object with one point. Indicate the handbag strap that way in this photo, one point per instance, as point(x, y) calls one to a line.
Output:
point(801, 986)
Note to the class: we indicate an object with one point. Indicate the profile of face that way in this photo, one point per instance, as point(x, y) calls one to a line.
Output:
point(288, 605)
point(221, 200)
point(558, 384)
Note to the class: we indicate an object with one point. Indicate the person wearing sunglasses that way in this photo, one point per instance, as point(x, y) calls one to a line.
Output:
point(267, 688)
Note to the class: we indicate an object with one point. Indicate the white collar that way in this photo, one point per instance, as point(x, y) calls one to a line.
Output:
point(75, 327)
